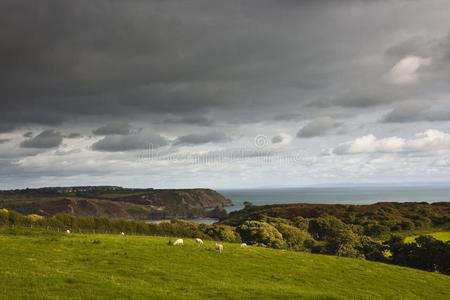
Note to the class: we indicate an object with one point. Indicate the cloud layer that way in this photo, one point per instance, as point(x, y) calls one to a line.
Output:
point(89, 86)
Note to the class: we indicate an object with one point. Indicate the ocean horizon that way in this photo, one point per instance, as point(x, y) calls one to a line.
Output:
point(336, 195)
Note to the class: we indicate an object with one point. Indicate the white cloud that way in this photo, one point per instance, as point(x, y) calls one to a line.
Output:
point(405, 72)
point(429, 141)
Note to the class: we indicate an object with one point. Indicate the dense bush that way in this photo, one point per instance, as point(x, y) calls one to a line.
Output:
point(376, 230)
point(427, 253)
point(323, 227)
point(296, 239)
point(176, 228)
point(262, 234)
point(373, 250)
point(344, 243)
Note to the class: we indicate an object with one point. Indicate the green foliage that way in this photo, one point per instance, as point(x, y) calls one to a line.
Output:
point(344, 243)
point(376, 230)
point(261, 233)
point(373, 250)
point(176, 228)
point(296, 239)
point(301, 223)
point(426, 253)
point(323, 227)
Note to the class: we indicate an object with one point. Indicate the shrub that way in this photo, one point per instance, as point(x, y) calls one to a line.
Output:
point(294, 237)
point(301, 223)
point(323, 227)
point(261, 233)
point(372, 250)
point(376, 230)
point(344, 243)
point(407, 225)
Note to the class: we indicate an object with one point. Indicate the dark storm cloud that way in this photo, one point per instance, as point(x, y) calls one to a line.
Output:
point(113, 128)
point(317, 127)
point(204, 62)
point(133, 59)
point(197, 139)
point(46, 139)
point(28, 134)
point(117, 143)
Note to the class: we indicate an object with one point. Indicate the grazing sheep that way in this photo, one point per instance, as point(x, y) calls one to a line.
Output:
point(68, 231)
point(122, 233)
point(243, 245)
point(198, 241)
point(178, 242)
point(219, 247)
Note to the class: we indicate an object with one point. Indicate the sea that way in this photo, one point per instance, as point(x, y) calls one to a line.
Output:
point(337, 195)
point(334, 195)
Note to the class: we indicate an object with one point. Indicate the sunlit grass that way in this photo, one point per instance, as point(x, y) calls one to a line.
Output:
point(38, 264)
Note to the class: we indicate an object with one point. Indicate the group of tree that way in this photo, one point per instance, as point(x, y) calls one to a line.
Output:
point(77, 224)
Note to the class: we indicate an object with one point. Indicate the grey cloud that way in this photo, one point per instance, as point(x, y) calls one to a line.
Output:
point(117, 143)
point(277, 139)
point(203, 138)
point(113, 128)
point(288, 117)
point(46, 139)
point(415, 111)
point(242, 64)
point(365, 98)
point(317, 127)
point(190, 120)
point(28, 134)
point(2, 141)
point(108, 60)
point(406, 112)
point(73, 135)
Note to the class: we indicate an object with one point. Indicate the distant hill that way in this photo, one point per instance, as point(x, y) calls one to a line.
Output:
point(117, 202)
point(394, 215)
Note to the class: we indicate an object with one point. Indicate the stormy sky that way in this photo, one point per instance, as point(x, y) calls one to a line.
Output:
point(224, 94)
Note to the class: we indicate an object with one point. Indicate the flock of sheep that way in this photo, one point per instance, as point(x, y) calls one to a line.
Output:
point(219, 247)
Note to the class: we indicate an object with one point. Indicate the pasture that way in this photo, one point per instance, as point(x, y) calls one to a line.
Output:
point(36, 264)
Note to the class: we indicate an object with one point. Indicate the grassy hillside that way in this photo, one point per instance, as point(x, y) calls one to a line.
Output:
point(37, 264)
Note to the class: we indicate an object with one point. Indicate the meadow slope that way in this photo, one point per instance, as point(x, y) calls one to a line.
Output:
point(36, 264)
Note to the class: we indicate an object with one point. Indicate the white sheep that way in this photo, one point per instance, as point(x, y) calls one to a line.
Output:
point(243, 245)
point(122, 233)
point(219, 247)
point(68, 231)
point(199, 241)
point(178, 242)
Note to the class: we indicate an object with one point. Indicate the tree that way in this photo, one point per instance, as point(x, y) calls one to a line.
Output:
point(261, 233)
point(344, 243)
point(427, 253)
point(294, 237)
point(323, 227)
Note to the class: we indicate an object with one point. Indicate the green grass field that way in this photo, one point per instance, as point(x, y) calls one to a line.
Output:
point(442, 235)
point(44, 265)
